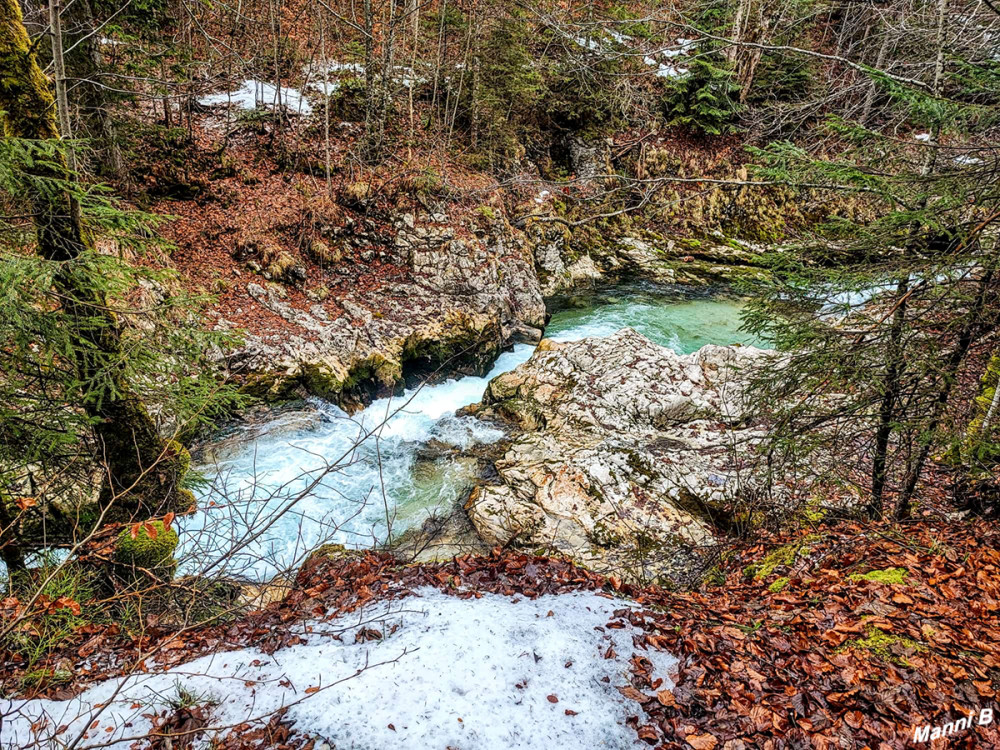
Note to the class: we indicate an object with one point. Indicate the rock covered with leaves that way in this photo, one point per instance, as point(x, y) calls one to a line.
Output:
point(623, 454)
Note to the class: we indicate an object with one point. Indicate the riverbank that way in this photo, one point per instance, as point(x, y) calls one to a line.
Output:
point(807, 637)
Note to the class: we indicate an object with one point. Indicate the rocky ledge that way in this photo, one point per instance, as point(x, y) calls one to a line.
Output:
point(461, 303)
point(567, 260)
point(622, 458)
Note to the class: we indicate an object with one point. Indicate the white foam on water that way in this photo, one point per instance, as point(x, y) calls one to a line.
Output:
point(383, 482)
point(381, 485)
point(368, 493)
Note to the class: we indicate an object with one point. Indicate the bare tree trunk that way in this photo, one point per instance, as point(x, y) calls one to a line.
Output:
point(883, 52)
point(371, 72)
point(275, 13)
point(167, 123)
point(461, 81)
point(887, 407)
point(988, 417)
point(10, 549)
point(895, 353)
point(442, 10)
point(414, 10)
point(326, 101)
point(737, 33)
point(59, 67)
point(379, 86)
point(474, 95)
point(85, 63)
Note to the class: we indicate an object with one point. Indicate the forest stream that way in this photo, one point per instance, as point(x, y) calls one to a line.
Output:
point(409, 466)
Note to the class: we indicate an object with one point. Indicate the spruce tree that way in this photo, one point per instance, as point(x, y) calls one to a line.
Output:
point(78, 360)
point(878, 310)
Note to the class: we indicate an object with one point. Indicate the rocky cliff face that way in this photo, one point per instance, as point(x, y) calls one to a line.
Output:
point(623, 453)
point(462, 302)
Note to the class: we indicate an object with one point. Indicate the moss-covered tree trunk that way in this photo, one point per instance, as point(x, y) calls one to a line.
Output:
point(143, 470)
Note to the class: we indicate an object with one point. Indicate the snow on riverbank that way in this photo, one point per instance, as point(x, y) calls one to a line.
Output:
point(492, 672)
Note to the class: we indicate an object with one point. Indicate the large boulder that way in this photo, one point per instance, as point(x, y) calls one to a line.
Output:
point(623, 458)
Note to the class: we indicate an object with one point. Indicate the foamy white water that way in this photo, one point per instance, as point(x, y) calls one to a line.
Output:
point(374, 488)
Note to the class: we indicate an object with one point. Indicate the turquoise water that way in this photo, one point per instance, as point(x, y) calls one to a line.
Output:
point(685, 325)
point(384, 480)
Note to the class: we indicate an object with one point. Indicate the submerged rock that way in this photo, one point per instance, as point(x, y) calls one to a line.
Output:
point(623, 455)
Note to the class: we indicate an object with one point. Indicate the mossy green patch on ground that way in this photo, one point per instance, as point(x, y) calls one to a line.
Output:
point(781, 557)
point(890, 576)
point(714, 576)
point(778, 585)
point(813, 513)
point(885, 645)
point(44, 678)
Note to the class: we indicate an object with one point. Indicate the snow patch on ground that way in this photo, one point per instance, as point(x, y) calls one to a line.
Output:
point(469, 673)
point(254, 94)
point(965, 160)
point(318, 72)
point(662, 69)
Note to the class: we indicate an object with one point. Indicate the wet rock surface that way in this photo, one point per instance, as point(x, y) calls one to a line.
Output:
point(623, 453)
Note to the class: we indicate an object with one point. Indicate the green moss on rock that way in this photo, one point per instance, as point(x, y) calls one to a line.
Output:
point(330, 552)
point(153, 553)
point(268, 386)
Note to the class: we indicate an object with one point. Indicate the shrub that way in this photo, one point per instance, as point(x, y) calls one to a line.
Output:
point(356, 194)
point(323, 254)
point(63, 607)
point(784, 78)
point(509, 90)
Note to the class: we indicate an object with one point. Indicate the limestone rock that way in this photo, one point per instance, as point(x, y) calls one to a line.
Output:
point(568, 259)
point(623, 454)
point(465, 300)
